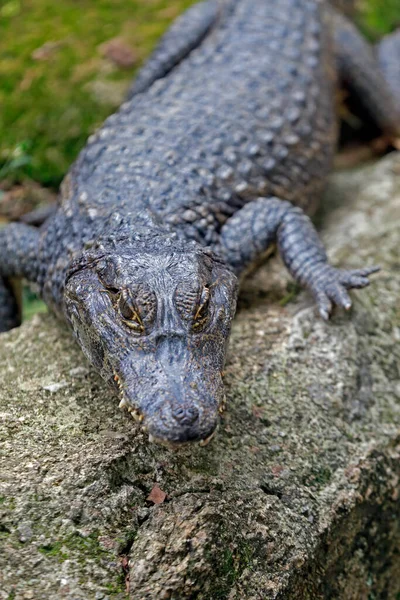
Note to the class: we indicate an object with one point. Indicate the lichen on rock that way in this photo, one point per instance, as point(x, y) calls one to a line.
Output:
point(296, 498)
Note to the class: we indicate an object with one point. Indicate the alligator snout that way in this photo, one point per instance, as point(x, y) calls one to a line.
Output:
point(174, 402)
point(178, 418)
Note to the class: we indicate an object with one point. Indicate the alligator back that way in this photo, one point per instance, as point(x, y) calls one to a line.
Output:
point(249, 113)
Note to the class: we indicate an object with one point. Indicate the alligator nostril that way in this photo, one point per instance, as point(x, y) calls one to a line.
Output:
point(186, 416)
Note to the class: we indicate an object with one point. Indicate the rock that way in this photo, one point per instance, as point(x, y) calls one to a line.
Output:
point(297, 497)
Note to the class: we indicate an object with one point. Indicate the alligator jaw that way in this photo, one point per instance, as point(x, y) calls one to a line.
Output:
point(124, 403)
point(138, 416)
point(134, 412)
point(179, 445)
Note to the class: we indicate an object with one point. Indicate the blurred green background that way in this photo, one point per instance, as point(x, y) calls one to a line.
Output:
point(56, 83)
point(66, 64)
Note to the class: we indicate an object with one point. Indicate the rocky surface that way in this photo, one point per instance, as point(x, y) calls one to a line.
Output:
point(296, 498)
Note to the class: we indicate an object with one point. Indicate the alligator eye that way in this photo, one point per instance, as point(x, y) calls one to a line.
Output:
point(201, 314)
point(129, 313)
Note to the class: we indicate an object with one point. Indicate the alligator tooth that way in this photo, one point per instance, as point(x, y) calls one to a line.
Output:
point(222, 406)
point(151, 438)
point(123, 404)
point(203, 443)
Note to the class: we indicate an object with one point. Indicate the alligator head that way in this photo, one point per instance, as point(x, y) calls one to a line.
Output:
point(154, 320)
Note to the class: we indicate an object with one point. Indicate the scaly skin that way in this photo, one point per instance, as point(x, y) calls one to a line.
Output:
point(228, 136)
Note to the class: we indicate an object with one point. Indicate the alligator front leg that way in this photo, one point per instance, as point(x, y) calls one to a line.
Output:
point(18, 258)
point(247, 235)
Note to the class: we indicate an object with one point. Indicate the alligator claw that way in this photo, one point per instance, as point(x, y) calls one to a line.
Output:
point(331, 285)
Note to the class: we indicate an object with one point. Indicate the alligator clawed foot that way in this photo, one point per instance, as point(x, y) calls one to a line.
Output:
point(329, 287)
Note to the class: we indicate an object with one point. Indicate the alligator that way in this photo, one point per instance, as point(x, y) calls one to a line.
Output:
point(220, 153)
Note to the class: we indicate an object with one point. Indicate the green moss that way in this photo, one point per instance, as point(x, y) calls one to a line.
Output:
point(293, 290)
point(55, 550)
point(234, 561)
point(86, 545)
point(318, 476)
point(75, 545)
point(119, 587)
point(7, 502)
point(4, 532)
point(81, 549)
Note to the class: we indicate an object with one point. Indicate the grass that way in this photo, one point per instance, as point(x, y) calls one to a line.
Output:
point(378, 17)
point(31, 304)
point(48, 104)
